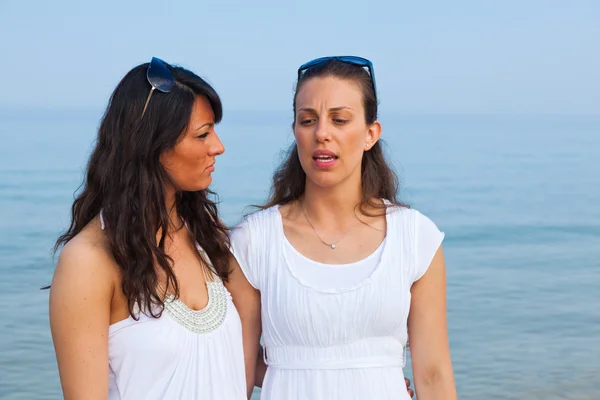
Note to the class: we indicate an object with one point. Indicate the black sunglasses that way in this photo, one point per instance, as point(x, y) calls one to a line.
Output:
point(159, 77)
point(358, 61)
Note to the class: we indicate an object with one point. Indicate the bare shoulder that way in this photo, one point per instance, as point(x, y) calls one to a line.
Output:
point(85, 262)
point(80, 313)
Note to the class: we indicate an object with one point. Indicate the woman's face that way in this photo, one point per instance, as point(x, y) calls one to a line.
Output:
point(330, 130)
point(191, 161)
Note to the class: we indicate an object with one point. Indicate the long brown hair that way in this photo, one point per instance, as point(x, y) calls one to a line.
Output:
point(126, 181)
point(378, 179)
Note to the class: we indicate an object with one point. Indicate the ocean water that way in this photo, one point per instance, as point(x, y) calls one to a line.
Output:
point(518, 198)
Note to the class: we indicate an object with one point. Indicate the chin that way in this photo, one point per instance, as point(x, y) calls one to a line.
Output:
point(324, 179)
point(203, 186)
point(199, 186)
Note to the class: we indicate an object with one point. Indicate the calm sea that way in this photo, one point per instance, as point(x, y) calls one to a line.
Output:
point(518, 198)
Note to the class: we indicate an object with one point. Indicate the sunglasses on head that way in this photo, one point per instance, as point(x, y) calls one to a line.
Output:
point(160, 78)
point(353, 60)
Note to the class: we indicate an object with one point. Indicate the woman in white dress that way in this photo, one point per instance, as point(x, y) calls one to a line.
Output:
point(335, 272)
point(138, 309)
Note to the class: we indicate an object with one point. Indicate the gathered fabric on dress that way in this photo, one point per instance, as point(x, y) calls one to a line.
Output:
point(184, 354)
point(335, 331)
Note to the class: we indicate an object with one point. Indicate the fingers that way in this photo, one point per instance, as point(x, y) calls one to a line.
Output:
point(410, 391)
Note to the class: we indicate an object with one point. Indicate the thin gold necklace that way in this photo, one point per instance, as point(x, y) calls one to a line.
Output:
point(328, 244)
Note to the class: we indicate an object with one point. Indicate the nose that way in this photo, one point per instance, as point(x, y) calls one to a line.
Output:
point(217, 147)
point(322, 134)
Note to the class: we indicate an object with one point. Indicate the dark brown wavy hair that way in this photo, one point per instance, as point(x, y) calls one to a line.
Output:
point(378, 179)
point(126, 181)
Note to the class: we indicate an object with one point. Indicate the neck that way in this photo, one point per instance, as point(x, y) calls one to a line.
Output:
point(174, 218)
point(333, 205)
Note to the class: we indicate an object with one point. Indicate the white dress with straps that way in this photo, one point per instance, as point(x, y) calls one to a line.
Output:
point(183, 355)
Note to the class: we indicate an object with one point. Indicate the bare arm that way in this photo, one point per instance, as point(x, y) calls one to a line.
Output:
point(428, 332)
point(261, 368)
point(80, 299)
point(247, 303)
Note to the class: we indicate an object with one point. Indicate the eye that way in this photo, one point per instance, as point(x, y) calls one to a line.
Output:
point(203, 136)
point(307, 121)
point(340, 121)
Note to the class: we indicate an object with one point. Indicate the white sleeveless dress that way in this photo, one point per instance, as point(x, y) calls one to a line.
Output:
point(184, 354)
point(329, 337)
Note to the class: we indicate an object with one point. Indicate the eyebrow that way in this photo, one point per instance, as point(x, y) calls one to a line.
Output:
point(208, 125)
point(331, 109)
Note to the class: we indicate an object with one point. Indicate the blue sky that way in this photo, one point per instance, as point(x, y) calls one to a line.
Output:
point(526, 57)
